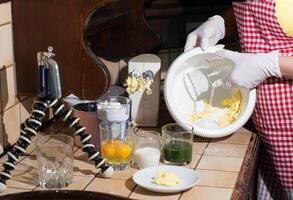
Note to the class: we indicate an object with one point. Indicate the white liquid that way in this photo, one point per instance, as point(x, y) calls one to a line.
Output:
point(147, 157)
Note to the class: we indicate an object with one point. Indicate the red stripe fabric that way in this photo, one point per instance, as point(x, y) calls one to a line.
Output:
point(260, 32)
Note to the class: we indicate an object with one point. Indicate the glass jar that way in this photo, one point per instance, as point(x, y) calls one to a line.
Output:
point(177, 143)
point(147, 149)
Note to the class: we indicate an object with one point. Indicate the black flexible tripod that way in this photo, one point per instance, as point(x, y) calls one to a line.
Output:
point(34, 123)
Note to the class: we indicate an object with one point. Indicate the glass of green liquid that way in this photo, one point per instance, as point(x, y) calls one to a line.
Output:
point(177, 143)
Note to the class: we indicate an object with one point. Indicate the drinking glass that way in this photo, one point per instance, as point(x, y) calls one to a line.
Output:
point(117, 144)
point(55, 161)
point(147, 149)
point(114, 109)
point(177, 147)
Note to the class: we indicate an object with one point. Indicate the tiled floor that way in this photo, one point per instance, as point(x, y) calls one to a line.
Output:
point(218, 162)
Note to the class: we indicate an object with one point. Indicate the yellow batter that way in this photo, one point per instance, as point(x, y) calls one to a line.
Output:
point(167, 179)
point(223, 116)
point(284, 14)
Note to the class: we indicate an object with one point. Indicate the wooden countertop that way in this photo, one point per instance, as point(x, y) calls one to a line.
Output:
point(225, 165)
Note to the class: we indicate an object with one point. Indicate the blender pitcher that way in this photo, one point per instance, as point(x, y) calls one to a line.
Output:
point(115, 135)
point(206, 82)
point(115, 110)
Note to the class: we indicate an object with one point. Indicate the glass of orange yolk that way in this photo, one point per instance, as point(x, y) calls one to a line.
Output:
point(116, 147)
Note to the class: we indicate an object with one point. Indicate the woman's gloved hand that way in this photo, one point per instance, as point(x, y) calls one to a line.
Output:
point(207, 34)
point(251, 69)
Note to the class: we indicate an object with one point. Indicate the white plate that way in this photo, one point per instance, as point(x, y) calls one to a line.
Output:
point(144, 178)
point(180, 104)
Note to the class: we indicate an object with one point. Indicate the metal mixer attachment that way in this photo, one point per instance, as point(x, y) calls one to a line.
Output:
point(48, 75)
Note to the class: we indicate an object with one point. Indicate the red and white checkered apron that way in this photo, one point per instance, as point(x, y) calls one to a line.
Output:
point(260, 31)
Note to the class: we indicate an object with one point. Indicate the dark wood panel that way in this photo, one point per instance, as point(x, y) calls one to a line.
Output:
point(174, 19)
point(115, 26)
point(68, 26)
point(3, 1)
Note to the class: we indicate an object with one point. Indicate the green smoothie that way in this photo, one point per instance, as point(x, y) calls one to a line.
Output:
point(178, 152)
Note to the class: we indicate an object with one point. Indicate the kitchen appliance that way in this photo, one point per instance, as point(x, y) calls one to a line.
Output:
point(180, 103)
point(145, 107)
point(49, 80)
point(115, 133)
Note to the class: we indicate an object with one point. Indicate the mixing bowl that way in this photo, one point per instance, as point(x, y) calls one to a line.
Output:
point(181, 105)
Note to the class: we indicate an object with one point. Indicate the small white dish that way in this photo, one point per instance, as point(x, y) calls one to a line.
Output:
point(144, 178)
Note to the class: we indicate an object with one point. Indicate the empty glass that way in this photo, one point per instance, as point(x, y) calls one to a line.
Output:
point(147, 149)
point(177, 145)
point(55, 161)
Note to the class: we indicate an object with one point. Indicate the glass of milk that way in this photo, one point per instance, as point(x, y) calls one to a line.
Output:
point(147, 151)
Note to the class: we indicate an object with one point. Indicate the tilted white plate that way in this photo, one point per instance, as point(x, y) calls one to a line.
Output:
point(144, 178)
point(180, 104)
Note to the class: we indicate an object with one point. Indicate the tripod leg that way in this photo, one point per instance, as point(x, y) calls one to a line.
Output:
point(73, 122)
point(30, 129)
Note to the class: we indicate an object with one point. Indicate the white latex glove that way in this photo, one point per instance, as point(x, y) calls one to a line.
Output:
point(207, 34)
point(251, 69)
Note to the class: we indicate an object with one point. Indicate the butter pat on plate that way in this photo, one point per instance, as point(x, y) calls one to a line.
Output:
point(165, 178)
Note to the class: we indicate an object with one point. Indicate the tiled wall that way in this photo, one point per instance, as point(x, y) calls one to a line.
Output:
point(12, 110)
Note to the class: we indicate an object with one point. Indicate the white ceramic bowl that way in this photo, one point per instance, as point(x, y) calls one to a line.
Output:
point(179, 102)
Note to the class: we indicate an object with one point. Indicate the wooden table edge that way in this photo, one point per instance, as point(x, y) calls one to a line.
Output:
point(248, 172)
